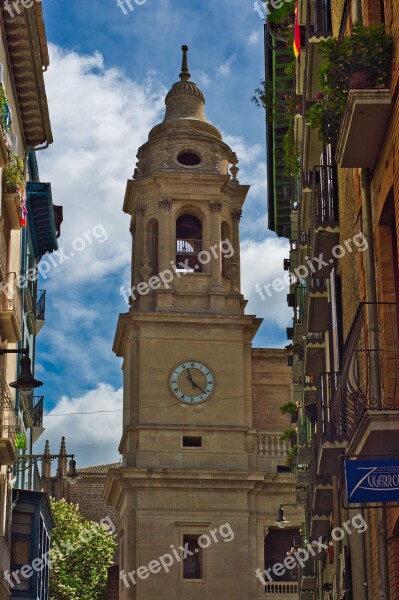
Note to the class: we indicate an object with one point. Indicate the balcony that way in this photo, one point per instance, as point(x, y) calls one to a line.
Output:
point(9, 425)
point(321, 496)
point(330, 443)
point(364, 126)
point(270, 445)
point(310, 398)
point(10, 310)
point(366, 403)
point(319, 28)
point(40, 310)
point(325, 217)
point(315, 354)
point(37, 428)
point(3, 251)
point(308, 577)
point(318, 312)
point(12, 203)
point(281, 590)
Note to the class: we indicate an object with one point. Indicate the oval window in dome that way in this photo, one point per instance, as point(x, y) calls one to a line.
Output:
point(189, 159)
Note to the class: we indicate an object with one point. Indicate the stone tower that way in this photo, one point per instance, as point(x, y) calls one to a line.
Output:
point(189, 451)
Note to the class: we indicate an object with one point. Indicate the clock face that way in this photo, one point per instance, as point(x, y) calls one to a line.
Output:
point(191, 382)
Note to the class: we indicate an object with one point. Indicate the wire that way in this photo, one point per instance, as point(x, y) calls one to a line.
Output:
point(177, 403)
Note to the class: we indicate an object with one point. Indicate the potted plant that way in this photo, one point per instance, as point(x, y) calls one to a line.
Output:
point(291, 409)
point(13, 175)
point(291, 435)
point(291, 458)
point(359, 60)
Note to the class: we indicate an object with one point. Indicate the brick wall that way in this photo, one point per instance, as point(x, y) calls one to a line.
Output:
point(88, 494)
point(271, 387)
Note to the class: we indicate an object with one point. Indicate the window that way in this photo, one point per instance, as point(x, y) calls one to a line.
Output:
point(189, 159)
point(192, 564)
point(188, 243)
point(192, 441)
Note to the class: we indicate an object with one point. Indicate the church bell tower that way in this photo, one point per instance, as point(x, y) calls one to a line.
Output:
point(187, 442)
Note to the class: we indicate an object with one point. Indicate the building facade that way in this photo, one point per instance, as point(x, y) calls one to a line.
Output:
point(29, 227)
point(201, 448)
point(344, 273)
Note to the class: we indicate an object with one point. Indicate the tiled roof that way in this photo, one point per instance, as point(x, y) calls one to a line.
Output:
point(98, 469)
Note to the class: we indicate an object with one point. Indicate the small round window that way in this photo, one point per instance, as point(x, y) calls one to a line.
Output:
point(189, 159)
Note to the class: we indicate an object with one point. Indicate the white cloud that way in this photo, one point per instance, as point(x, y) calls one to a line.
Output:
point(225, 68)
point(262, 262)
point(93, 438)
point(99, 119)
point(254, 38)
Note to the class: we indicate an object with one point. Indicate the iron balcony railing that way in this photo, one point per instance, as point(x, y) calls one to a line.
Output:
point(322, 16)
point(324, 205)
point(11, 298)
point(38, 411)
point(369, 378)
point(41, 305)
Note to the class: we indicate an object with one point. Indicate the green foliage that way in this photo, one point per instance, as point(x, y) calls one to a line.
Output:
point(290, 69)
point(279, 15)
point(3, 108)
point(279, 101)
point(288, 408)
point(291, 458)
point(291, 435)
point(81, 553)
point(280, 21)
point(13, 175)
point(292, 157)
point(362, 59)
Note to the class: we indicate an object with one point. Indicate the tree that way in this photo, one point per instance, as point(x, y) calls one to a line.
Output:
point(81, 553)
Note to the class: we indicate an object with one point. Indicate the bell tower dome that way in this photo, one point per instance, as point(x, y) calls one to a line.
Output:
point(185, 201)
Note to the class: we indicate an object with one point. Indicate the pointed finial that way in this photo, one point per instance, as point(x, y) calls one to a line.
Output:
point(63, 447)
point(184, 75)
point(47, 448)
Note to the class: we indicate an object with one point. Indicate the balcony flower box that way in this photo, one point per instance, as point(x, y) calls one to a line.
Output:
point(360, 61)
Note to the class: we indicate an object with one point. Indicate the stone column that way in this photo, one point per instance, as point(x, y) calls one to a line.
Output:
point(132, 230)
point(139, 250)
point(216, 261)
point(164, 257)
point(236, 216)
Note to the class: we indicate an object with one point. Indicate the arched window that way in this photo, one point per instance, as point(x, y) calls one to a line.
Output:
point(188, 243)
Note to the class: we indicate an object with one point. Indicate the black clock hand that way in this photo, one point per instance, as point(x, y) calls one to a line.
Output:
point(191, 379)
point(199, 388)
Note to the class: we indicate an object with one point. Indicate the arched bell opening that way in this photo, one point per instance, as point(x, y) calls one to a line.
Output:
point(225, 235)
point(152, 244)
point(188, 243)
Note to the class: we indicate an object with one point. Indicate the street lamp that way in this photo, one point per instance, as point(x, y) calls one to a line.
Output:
point(26, 461)
point(281, 520)
point(26, 383)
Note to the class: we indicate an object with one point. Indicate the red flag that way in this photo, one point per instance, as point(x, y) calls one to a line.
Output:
point(297, 33)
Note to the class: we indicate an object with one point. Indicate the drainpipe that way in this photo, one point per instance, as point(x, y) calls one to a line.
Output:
point(375, 377)
point(356, 11)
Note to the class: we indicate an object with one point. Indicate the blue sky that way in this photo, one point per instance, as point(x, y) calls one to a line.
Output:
point(106, 85)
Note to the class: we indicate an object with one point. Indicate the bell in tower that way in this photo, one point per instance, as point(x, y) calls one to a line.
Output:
point(185, 202)
point(194, 486)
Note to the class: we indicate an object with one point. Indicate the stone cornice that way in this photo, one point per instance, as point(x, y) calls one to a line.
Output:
point(26, 44)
